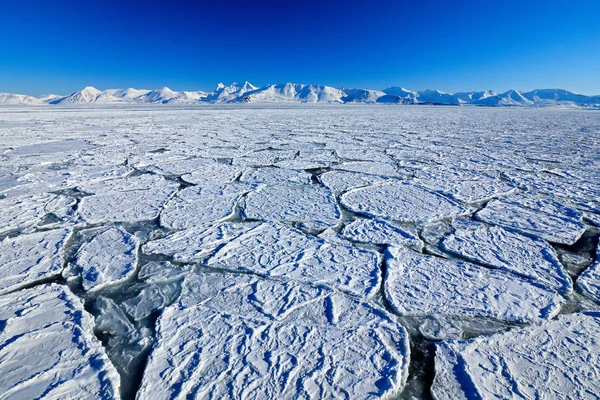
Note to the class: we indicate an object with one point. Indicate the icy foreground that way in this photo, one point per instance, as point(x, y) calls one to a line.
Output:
point(238, 336)
point(559, 360)
point(297, 252)
point(48, 348)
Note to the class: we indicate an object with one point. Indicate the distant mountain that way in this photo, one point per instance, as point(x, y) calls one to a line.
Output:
point(245, 92)
point(509, 98)
point(16, 99)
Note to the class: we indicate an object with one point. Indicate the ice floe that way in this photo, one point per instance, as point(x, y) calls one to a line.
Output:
point(48, 348)
point(197, 205)
point(27, 259)
point(401, 201)
point(556, 360)
point(551, 227)
point(381, 233)
point(421, 285)
point(496, 247)
point(589, 280)
point(110, 257)
point(242, 337)
point(312, 207)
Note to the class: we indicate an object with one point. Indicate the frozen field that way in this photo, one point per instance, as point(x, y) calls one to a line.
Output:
point(327, 252)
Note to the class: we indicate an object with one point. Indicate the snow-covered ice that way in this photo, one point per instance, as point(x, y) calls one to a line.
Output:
point(26, 259)
point(197, 205)
point(110, 257)
point(556, 360)
point(402, 201)
point(496, 247)
point(48, 348)
point(589, 280)
point(421, 285)
point(312, 207)
point(238, 336)
point(297, 251)
point(381, 233)
point(532, 221)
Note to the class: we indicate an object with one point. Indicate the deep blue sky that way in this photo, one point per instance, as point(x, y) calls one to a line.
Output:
point(58, 46)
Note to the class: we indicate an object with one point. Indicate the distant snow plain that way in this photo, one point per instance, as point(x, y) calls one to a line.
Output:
point(258, 252)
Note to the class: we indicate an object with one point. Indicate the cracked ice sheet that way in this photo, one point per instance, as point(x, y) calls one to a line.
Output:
point(369, 167)
point(110, 257)
point(27, 212)
point(131, 199)
point(213, 174)
point(422, 285)
point(381, 233)
point(589, 281)
point(341, 181)
point(196, 206)
point(466, 186)
point(274, 250)
point(498, 248)
point(48, 348)
point(510, 214)
point(401, 201)
point(273, 175)
point(26, 259)
point(313, 207)
point(237, 336)
point(556, 360)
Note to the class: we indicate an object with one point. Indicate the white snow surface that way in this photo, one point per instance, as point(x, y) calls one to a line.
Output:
point(110, 257)
point(238, 336)
point(48, 348)
point(261, 252)
point(28, 258)
point(556, 360)
point(421, 285)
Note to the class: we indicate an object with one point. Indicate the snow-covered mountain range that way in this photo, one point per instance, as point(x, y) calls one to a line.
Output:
point(299, 93)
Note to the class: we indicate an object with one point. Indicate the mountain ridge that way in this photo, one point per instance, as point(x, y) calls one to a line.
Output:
point(245, 92)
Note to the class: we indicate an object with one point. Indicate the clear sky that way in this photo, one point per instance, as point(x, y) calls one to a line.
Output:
point(59, 46)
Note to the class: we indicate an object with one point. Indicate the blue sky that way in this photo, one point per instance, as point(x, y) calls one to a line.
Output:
point(60, 46)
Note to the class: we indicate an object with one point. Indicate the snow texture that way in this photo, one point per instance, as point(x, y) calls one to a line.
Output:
point(412, 203)
point(556, 360)
point(421, 285)
point(48, 348)
point(27, 259)
point(238, 336)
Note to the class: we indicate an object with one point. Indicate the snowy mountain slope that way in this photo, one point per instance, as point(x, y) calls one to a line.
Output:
point(509, 98)
point(362, 95)
point(290, 92)
point(437, 97)
point(88, 94)
point(302, 93)
point(8, 98)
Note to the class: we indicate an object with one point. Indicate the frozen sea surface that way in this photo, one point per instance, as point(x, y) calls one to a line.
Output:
point(299, 252)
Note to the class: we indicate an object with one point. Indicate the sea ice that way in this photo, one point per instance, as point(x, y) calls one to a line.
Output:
point(126, 200)
point(48, 348)
point(401, 201)
point(313, 207)
point(421, 285)
point(273, 175)
point(341, 181)
point(589, 281)
point(110, 257)
point(556, 360)
point(498, 248)
point(277, 250)
point(553, 228)
point(381, 233)
point(238, 336)
point(26, 259)
point(198, 205)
